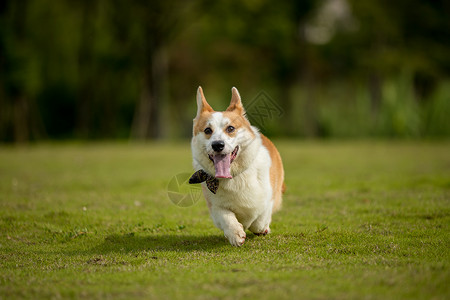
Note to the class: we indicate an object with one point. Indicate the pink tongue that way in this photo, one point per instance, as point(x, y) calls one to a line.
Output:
point(222, 165)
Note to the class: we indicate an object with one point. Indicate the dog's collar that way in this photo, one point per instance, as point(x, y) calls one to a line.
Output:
point(211, 182)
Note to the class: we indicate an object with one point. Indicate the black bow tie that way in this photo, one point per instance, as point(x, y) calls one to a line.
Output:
point(211, 182)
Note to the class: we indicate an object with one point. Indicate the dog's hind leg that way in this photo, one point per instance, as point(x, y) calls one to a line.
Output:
point(261, 225)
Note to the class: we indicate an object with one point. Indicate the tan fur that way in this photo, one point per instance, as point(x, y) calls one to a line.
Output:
point(276, 173)
point(201, 122)
point(237, 120)
point(235, 103)
point(203, 114)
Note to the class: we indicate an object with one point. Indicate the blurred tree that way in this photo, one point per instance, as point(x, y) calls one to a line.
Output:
point(86, 67)
point(158, 22)
point(251, 44)
point(116, 68)
point(19, 118)
point(387, 38)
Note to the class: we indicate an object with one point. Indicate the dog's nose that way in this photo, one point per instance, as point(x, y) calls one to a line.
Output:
point(218, 145)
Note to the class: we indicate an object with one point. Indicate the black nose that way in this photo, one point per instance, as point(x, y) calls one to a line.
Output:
point(218, 145)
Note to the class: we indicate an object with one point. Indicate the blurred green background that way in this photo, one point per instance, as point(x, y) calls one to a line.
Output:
point(116, 69)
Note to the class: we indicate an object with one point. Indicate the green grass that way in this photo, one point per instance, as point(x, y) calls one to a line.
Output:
point(360, 220)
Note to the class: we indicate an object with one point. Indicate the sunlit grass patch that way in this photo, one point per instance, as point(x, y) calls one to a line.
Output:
point(359, 220)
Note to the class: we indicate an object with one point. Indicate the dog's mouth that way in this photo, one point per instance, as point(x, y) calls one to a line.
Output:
point(222, 163)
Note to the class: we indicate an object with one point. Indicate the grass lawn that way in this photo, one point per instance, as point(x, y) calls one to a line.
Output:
point(360, 220)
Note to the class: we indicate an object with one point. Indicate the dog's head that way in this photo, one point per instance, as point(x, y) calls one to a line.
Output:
point(221, 140)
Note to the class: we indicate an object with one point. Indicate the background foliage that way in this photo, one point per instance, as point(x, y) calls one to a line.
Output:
point(129, 69)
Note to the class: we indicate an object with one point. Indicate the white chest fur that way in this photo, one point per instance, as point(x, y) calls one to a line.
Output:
point(249, 194)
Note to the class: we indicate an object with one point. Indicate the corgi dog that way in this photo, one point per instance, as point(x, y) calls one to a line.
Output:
point(240, 169)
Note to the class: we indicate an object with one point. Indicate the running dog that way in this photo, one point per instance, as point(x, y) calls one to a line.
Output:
point(240, 169)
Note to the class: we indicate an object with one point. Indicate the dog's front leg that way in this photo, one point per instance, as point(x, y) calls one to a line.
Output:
point(226, 220)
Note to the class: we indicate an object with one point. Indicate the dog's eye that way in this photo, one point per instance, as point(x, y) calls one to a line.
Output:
point(230, 129)
point(207, 130)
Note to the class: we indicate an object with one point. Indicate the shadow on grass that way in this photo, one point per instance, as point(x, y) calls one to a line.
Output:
point(176, 242)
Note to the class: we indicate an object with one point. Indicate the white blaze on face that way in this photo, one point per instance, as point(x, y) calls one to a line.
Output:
point(222, 160)
point(218, 124)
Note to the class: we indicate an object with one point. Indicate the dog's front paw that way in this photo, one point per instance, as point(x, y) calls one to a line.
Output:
point(236, 237)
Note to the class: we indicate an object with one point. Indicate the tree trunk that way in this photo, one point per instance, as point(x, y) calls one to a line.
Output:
point(20, 120)
point(310, 108)
point(25, 120)
point(148, 115)
point(375, 94)
point(86, 76)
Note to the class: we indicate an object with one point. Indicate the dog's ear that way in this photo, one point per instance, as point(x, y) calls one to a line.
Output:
point(202, 105)
point(236, 104)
